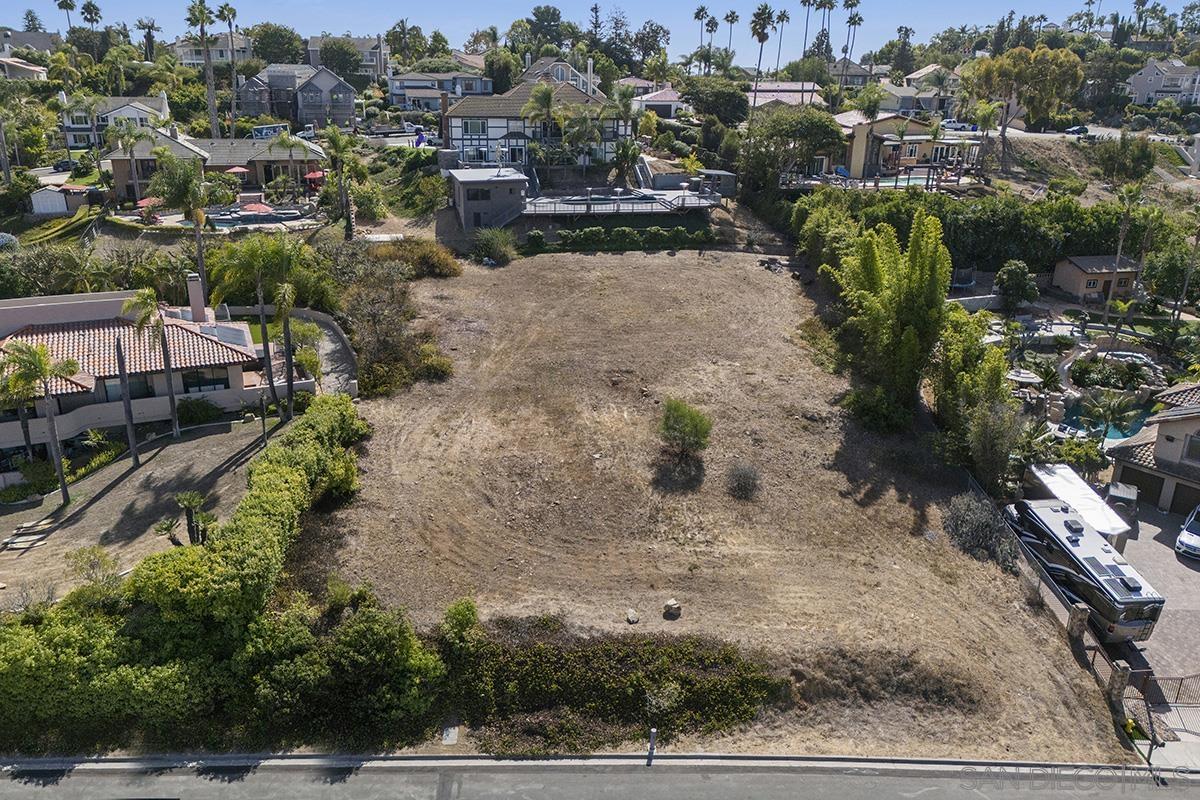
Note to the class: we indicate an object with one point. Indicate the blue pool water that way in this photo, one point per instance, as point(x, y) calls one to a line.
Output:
point(1112, 434)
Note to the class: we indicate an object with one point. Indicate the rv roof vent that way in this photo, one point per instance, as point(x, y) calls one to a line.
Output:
point(1131, 583)
point(1074, 526)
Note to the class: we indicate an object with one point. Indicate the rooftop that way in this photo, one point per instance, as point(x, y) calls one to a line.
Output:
point(509, 104)
point(1097, 264)
point(1138, 451)
point(487, 175)
point(1184, 394)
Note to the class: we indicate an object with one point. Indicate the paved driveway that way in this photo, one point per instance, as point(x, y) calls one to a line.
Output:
point(1174, 648)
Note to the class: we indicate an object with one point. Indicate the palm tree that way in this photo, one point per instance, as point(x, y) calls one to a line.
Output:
point(181, 184)
point(808, 7)
point(339, 147)
point(88, 104)
point(148, 27)
point(67, 6)
point(90, 13)
point(711, 26)
point(701, 16)
point(62, 70)
point(227, 14)
point(31, 364)
point(127, 403)
point(124, 134)
point(1193, 217)
point(625, 156)
point(115, 62)
point(826, 8)
point(287, 141)
point(1124, 310)
point(868, 101)
point(1110, 410)
point(731, 19)
point(851, 24)
point(200, 15)
point(781, 19)
point(986, 114)
point(620, 105)
point(14, 392)
point(539, 108)
point(285, 301)
point(760, 28)
point(148, 316)
point(1128, 199)
point(582, 130)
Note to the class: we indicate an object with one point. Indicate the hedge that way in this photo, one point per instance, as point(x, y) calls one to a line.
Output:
point(622, 239)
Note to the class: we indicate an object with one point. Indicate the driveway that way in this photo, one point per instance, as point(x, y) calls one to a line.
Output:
point(1174, 648)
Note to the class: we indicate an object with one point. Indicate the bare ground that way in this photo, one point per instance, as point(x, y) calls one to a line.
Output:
point(532, 481)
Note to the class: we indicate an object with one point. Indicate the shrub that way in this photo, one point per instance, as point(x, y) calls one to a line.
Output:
point(743, 481)
point(976, 528)
point(1139, 122)
point(302, 400)
point(1068, 184)
point(536, 241)
point(592, 238)
point(16, 493)
point(427, 258)
point(197, 411)
point(664, 141)
point(369, 203)
point(683, 428)
point(656, 238)
point(623, 238)
point(679, 236)
point(497, 244)
point(1015, 285)
point(40, 475)
point(432, 364)
point(8, 242)
point(680, 149)
point(878, 411)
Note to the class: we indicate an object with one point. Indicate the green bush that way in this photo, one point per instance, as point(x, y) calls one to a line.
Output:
point(683, 428)
point(664, 141)
point(878, 411)
point(16, 493)
point(369, 202)
point(497, 244)
point(1068, 184)
point(621, 239)
point(302, 400)
point(679, 237)
point(197, 411)
point(432, 364)
point(656, 238)
point(427, 258)
point(535, 241)
point(40, 474)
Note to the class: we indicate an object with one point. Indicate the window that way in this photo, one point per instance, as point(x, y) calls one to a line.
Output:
point(211, 379)
point(910, 151)
point(1191, 448)
point(468, 86)
point(1092, 283)
point(79, 119)
point(1122, 281)
point(479, 194)
point(139, 387)
point(475, 127)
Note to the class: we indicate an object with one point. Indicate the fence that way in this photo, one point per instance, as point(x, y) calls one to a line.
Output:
point(1166, 691)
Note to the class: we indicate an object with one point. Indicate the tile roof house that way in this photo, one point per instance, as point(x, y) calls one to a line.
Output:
point(666, 103)
point(76, 123)
point(18, 69)
point(473, 61)
point(640, 86)
point(552, 68)
point(788, 93)
point(211, 358)
point(420, 90)
point(1163, 458)
point(849, 73)
point(373, 50)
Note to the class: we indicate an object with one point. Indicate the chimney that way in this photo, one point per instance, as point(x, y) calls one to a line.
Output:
point(196, 298)
point(444, 122)
point(381, 62)
point(528, 60)
point(62, 97)
point(590, 88)
point(173, 131)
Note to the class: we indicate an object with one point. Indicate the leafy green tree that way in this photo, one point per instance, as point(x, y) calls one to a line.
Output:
point(276, 44)
point(1085, 456)
point(683, 428)
point(31, 365)
point(503, 67)
point(993, 435)
point(341, 56)
point(786, 141)
point(1129, 158)
point(1015, 285)
point(625, 157)
point(719, 97)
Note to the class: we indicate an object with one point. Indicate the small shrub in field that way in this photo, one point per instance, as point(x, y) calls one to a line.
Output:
point(40, 474)
point(622, 239)
point(197, 411)
point(656, 238)
point(369, 202)
point(432, 364)
point(429, 259)
point(536, 241)
point(679, 236)
point(591, 238)
point(743, 481)
point(683, 428)
point(977, 529)
point(497, 244)
point(878, 411)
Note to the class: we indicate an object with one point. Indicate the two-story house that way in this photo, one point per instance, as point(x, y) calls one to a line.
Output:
point(189, 53)
point(550, 68)
point(304, 94)
point(1162, 79)
point(849, 73)
point(373, 50)
point(1163, 458)
point(77, 123)
point(493, 129)
point(640, 86)
point(423, 90)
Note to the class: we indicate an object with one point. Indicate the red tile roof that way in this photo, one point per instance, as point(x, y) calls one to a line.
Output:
point(93, 345)
point(1184, 394)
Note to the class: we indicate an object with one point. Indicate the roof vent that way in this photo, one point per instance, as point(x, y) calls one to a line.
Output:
point(1131, 583)
point(1074, 526)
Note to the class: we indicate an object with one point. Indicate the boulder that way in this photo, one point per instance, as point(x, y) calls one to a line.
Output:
point(672, 609)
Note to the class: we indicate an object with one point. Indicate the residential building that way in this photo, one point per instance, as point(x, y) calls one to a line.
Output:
point(18, 69)
point(1090, 277)
point(469, 61)
point(1165, 78)
point(640, 86)
point(848, 73)
point(61, 201)
point(189, 53)
point(488, 197)
point(493, 129)
point(551, 68)
point(1163, 458)
point(877, 149)
point(77, 123)
point(910, 100)
point(786, 93)
point(420, 90)
point(261, 162)
point(931, 76)
point(40, 41)
point(666, 103)
point(373, 50)
point(211, 358)
point(302, 93)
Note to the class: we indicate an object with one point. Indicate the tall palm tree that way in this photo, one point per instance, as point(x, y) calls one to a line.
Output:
point(901, 132)
point(826, 8)
point(227, 14)
point(781, 19)
point(1124, 310)
point(115, 62)
point(181, 184)
point(625, 156)
point(287, 141)
point(148, 27)
point(701, 16)
point(711, 26)
point(148, 316)
point(1128, 199)
point(731, 19)
point(88, 104)
point(67, 6)
point(62, 70)
point(851, 7)
point(17, 393)
point(90, 13)
point(539, 108)
point(808, 7)
point(339, 148)
point(582, 130)
point(1110, 410)
point(855, 22)
point(619, 105)
point(1193, 218)
point(868, 101)
point(760, 28)
point(285, 301)
point(127, 402)
point(124, 134)
point(200, 16)
point(32, 364)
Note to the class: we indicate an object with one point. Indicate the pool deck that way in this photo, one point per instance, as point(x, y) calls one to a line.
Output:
point(669, 201)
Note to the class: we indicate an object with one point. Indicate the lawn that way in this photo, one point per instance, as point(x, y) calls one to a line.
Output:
point(533, 480)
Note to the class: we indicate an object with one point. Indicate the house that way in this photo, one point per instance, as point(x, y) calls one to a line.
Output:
point(302, 93)
point(877, 149)
point(18, 69)
point(1089, 277)
point(849, 73)
point(1163, 458)
point(421, 90)
point(786, 93)
point(59, 201)
point(373, 50)
point(551, 68)
point(1166, 78)
point(211, 358)
point(40, 41)
point(931, 76)
point(666, 103)
point(493, 129)
point(77, 123)
point(910, 100)
point(489, 197)
point(189, 53)
point(640, 86)
point(469, 61)
point(262, 162)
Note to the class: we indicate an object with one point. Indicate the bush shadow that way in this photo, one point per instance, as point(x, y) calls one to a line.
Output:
point(675, 474)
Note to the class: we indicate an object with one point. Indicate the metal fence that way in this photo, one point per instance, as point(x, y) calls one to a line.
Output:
point(1166, 691)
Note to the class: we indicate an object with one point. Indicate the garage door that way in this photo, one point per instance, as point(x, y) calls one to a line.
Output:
point(1186, 498)
point(1149, 486)
point(663, 110)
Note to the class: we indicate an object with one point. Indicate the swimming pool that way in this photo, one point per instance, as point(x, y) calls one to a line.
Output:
point(1073, 419)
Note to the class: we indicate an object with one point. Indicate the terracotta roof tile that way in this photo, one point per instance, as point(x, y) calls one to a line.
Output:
point(1138, 451)
point(1185, 394)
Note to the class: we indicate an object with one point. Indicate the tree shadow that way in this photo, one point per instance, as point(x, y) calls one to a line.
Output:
point(676, 474)
point(225, 773)
point(40, 777)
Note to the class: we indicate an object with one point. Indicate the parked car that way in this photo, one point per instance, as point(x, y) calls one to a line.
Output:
point(65, 165)
point(1188, 542)
point(1078, 130)
point(955, 125)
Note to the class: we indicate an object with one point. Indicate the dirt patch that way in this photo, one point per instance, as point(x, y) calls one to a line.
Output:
point(528, 482)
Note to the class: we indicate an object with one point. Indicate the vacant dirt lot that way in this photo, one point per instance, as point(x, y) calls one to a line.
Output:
point(531, 481)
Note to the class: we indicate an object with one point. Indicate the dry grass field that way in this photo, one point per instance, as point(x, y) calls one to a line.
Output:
point(532, 480)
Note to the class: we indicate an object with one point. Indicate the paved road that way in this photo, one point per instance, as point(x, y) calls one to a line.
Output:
point(428, 780)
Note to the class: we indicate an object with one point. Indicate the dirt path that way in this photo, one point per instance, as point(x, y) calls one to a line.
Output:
point(531, 480)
